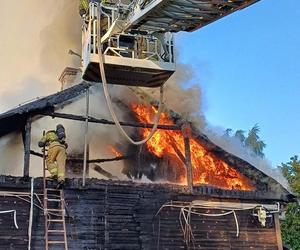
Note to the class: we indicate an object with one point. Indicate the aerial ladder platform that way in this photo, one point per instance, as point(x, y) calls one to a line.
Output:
point(137, 36)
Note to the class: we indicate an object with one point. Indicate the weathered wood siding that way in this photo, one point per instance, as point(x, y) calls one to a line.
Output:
point(117, 216)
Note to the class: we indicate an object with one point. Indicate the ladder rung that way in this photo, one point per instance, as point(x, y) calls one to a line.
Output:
point(53, 189)
point(53, 196)
point(56, 231)
point(55, 220)
point(54, 210)
point(56, 242)
point(56, 215)
point(49, 179)
point(56, 200)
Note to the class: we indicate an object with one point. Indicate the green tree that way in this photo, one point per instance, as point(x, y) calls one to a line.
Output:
point(291, 224)
point(239, 134)
point(252, 140)
point(291, 170)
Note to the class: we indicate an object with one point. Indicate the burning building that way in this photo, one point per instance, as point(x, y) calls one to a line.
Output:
point(196, 195)
point(177, 191)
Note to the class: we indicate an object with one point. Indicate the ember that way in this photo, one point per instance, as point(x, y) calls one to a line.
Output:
point(207, 168)
point(114, 151)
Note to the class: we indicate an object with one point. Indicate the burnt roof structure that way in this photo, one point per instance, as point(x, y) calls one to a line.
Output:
point(110, 214)
point(17, 118)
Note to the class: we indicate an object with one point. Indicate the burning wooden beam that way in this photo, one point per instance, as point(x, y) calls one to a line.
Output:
point(107, 122)
point(176, 149)
point(186, 132)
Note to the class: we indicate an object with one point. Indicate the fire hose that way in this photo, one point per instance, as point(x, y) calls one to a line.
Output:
point(109, 101)
point(15, 216)
point(187, 209)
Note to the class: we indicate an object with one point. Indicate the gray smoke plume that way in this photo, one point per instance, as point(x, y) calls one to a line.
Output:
point(185, 101)
point(100, 137)
point(11, 154)
point(33, 55)
point(36, 37)
point(34, 51)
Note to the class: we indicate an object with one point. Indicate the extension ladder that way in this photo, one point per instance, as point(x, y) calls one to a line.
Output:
point(54, 212)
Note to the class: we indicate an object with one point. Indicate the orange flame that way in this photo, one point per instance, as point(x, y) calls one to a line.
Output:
point(207, 168)
point(115, 151)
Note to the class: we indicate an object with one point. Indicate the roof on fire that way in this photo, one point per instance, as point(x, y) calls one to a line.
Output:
point(15, 120)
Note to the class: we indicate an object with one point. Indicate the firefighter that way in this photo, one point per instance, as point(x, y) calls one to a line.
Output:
point(54, 140)
point(83, 7)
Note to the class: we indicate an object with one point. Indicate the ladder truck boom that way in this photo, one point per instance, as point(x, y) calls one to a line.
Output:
point(137, 41)
point(180, 15)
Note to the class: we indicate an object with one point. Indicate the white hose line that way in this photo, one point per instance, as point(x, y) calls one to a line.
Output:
point(109, 102)
point(30, 215)
point(186, 212)
point(15, 216)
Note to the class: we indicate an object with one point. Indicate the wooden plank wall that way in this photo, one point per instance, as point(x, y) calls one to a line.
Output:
point(219, 233)
point(122, 217)
point(10, 237)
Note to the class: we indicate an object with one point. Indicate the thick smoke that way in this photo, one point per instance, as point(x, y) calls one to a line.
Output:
point(11, 154)
point(100, 137)
point(34, 51)
point(185, 101)
point(36, 37)
point(33, 54)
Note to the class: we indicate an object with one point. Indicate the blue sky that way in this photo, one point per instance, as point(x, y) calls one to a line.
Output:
point(248, 65)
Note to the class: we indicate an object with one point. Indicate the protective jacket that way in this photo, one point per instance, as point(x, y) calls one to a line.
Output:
point(56, 157)
point(48, 138)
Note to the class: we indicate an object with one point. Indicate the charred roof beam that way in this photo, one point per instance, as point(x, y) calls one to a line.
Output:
point(107, 122)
